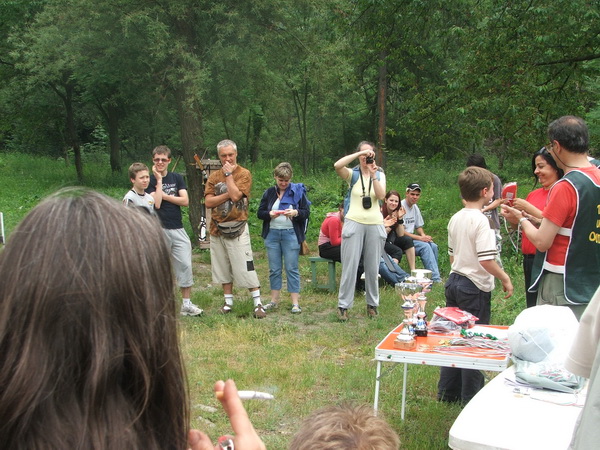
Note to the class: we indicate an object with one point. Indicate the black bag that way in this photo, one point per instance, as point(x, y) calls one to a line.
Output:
point(232, 229)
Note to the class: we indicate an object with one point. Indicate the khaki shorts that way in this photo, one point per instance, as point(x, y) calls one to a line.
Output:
point(551, 291)
point(232, 261)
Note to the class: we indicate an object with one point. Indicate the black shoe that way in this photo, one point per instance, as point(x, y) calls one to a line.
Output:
point(445, 398)
point(372, 311)
point(343, 314)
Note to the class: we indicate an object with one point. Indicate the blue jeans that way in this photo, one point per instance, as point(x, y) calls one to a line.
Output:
point(392, 277)
point(283, 244)
point(428, 251)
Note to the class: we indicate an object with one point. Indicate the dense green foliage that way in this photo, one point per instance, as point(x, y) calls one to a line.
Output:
point(300, 80)
point(293, 76)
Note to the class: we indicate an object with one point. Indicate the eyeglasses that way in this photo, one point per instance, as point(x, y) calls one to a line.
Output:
point(164, 160)
point(549, 146)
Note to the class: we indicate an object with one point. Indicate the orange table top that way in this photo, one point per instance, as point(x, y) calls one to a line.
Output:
point(430, 352)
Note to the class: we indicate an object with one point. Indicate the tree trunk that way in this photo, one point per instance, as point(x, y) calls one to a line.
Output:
point(113, 137)
point(300, 106)
point(72, 139)
point(381, 109)
point(503, 152)
point(190, 120)
point(190, 123)
point(305, 129)
point(248, 133)
point(258, 120)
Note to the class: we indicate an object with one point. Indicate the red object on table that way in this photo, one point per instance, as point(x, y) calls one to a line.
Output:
point(456, 315)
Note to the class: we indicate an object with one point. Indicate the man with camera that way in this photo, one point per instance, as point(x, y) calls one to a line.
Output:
point(363, 227)
point(413, 227)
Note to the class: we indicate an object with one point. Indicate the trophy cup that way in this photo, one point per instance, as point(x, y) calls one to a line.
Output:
point(426, 288)
point(409, 293)
point(421, 279)
point(420, 328)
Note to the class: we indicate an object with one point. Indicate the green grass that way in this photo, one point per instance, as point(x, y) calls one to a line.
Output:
point(309, 360)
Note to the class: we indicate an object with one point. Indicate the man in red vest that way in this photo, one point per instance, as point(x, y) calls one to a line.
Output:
point(566, 268)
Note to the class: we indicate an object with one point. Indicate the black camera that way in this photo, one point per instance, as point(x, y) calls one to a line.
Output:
point(366, 202)
point(369, 160)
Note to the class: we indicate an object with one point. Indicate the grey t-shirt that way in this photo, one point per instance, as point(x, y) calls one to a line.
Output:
point(146, 201)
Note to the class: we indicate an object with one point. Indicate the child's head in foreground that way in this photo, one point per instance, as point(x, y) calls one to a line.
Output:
point(345, 427)
point(472, 181)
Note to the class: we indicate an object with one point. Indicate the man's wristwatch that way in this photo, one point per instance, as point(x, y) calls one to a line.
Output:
point(227, 174)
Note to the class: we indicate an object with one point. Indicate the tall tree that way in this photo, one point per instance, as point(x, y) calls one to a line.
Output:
point(46, 59)
point(516, 65)
point(16, 17)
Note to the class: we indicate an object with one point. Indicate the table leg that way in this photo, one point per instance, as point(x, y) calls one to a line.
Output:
point(404, 391)
point(377, 375)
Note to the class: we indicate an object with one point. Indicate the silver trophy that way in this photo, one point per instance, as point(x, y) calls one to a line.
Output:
point(409, 293)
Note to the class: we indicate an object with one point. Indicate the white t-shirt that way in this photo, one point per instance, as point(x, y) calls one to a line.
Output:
point(413, 218)
point(585, 345)
point(584, 360)
point(470, 240)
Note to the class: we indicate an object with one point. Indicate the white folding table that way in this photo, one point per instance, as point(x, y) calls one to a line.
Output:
point(500, 418)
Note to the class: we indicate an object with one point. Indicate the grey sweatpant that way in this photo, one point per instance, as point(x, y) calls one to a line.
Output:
point(358, 239)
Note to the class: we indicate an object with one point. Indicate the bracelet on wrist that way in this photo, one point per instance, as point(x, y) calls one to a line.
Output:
point(522, 219)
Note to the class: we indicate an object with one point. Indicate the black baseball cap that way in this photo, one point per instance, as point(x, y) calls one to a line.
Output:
point(413, 187)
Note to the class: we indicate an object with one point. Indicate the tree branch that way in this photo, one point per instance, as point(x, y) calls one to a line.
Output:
point(570, 60)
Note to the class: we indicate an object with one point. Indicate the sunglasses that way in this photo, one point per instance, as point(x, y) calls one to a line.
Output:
point(164, 160)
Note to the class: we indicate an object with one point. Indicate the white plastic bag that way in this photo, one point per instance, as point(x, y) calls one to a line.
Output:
point(540, 340)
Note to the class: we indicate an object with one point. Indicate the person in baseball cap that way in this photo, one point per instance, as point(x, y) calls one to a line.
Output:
point(413, 228)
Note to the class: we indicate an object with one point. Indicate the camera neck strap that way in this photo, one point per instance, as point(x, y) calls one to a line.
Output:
point(363, 184)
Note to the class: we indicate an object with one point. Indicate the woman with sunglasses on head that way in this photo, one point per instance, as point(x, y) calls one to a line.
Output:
point(396, 243)
point(546, 172)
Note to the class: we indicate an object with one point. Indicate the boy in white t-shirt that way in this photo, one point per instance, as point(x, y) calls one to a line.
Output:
point(472, 250)
point(137, 196)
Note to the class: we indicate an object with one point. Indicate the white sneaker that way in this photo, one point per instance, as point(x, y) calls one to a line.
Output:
point(190, 310)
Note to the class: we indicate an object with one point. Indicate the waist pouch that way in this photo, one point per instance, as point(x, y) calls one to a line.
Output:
point(232, 229)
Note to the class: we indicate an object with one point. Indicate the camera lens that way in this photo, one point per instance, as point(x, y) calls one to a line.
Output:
point(370, 160)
